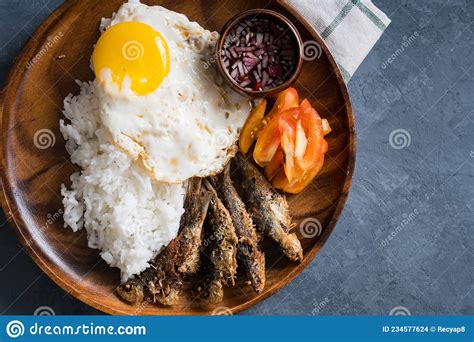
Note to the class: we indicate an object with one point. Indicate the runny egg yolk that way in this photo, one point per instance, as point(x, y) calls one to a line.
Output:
point(134, 50)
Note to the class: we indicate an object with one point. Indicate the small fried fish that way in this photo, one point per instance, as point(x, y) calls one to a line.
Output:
point(164, 278)
point(248, 252)
point(268, 208)
point(221, 241)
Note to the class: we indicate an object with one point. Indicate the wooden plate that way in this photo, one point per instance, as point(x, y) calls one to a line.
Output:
point(35, 167)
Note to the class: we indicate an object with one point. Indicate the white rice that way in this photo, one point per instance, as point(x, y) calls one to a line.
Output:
point(126, 215)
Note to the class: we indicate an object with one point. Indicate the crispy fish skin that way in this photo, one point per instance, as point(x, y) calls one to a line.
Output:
point(164, 278)
point(248, 252)
point(166, 282)
point(268, 208)
point(190, 239)
point(210, 288)
point(215, 292)
point(132, 291)
point(221, 241)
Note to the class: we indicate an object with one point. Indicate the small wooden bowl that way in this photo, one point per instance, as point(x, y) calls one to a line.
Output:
point(275, 17)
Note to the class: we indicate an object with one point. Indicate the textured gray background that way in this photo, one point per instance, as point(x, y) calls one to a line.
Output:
point(428, 91)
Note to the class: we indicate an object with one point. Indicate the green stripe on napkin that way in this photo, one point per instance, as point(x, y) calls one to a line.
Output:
point(350, 28)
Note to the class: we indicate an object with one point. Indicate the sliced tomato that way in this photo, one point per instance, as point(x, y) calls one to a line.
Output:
point(269, 138)
point(326, 128)
point(325, 146)
point(304, 178)
point(291, 145)
point(305, 104)
point(275, 165)
point(311, 123)
point(267, 143)
point(301, 142)
point(286, 99)
point(309, 149)
point(252, 126)
point(288, 139)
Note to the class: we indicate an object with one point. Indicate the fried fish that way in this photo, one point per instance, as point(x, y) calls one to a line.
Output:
point(248, 252)
point(164, 278)
point(221, 253)
point(268, 208)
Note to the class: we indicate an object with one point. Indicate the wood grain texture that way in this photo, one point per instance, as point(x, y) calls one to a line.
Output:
point(32, 176)
point(3, 201)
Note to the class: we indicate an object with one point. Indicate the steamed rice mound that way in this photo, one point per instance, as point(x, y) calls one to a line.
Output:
point(127, 216)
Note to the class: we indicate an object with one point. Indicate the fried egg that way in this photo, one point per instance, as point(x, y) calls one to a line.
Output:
point(160, 95)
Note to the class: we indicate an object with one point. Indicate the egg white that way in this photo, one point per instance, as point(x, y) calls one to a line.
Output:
point(188, 126)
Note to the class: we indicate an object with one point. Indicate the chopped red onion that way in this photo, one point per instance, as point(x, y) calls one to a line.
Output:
point(239, 29)
point(244, 48)
point(258, 54)
point(255, 75)
point(233, 52)
point(240, 67)
point(273, 70)
point(264, 78)
point(245, 83)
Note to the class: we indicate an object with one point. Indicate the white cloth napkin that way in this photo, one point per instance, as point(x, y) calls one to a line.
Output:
point(350, 28)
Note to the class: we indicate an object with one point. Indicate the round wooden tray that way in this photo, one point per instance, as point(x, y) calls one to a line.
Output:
point(44, 73)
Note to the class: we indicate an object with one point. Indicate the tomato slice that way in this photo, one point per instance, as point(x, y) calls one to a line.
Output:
point(312, 125)
point(326, 128)
point(269, 138)
point(286, 99)
point(252, 127)
point(291, 144)
point(288, 137)
point(305, 104)
point(301, 142)
point(300, 182)
point(275, 165)
point(309, 149)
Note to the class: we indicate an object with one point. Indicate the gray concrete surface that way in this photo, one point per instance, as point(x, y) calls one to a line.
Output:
point(416, 85)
